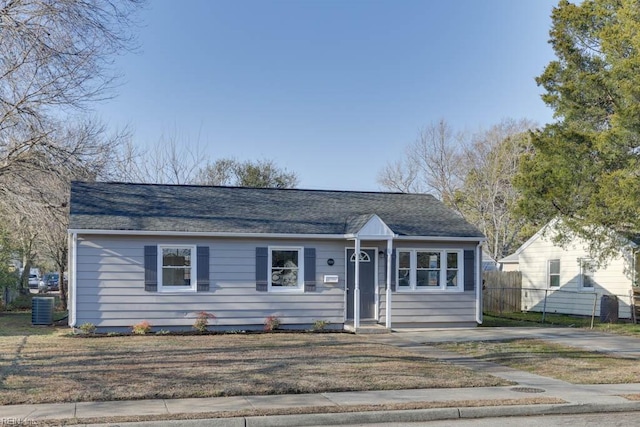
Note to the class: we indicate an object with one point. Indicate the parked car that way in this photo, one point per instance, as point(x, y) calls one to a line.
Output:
point(34, 281)
point(51, 281)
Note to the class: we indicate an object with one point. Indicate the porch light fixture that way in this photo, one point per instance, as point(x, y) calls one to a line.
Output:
point(330, 261)
point(381, 254)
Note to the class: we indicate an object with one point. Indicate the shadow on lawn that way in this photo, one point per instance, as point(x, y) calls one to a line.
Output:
point(18, 323)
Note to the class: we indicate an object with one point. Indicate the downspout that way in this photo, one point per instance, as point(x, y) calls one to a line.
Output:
point(73, 237)
point(479, 284)
point(389, 272)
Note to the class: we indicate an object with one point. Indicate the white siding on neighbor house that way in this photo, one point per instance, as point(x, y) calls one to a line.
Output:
point(110, 285)
point(570, 297)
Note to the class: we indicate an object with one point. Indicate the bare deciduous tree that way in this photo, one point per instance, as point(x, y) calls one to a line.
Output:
point(472, 174)
point(56, 59)
point(169, 161)
point(488, 197)
point(430, 164)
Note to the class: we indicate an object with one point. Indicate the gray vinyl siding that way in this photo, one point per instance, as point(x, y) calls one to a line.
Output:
point(110, 285)
point(428, 307)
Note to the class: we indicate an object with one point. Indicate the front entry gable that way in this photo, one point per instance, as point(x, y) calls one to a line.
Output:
point(373, 229)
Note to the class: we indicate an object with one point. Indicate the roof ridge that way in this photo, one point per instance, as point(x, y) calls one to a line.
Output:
point(144, 184)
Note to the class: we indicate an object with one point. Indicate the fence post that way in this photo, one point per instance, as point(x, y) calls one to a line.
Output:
point(544, 307)
point(593, 313)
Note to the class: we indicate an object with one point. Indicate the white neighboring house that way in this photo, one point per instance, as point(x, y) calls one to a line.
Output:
point(511, 262)
point(568, 277)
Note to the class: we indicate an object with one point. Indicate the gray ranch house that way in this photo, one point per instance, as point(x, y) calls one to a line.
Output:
point(164, 253)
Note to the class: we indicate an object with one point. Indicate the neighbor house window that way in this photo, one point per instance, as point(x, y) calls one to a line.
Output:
point(177, 268)
point(586, 273)
point(554, 273)
point(286, 269)
point(424, 270)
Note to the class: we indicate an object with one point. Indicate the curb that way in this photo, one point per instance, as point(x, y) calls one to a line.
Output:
point(402, 416)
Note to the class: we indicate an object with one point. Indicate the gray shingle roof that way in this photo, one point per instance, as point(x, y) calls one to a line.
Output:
point(150, 207)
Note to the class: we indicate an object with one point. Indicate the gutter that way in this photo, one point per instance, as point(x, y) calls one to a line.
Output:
point(269, 235)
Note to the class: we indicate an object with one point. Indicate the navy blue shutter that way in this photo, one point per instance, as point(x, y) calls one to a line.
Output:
point(309, 269)
point(469, 271)
point(393, 271)
point(151, 268)
point(203, 268)
point(262, 269)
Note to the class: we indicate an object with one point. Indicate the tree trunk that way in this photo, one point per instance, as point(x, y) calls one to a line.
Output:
point(23, 286)
point(63, 289)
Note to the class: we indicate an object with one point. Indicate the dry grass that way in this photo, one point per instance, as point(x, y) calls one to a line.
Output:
point(55, 368)
point(631, 396)
point(553, 360)
point(309, 410)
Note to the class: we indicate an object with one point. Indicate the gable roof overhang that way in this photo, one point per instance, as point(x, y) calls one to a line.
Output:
point(373, 229)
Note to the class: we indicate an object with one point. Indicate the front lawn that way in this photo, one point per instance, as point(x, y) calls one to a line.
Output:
point(533, 319)
point(552, 360)
point(42, 364)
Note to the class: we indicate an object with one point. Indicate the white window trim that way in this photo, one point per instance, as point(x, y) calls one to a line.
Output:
point(286, 289)
point(581, 286)
point(555, 274)
point(194, 270)
point(413, 288)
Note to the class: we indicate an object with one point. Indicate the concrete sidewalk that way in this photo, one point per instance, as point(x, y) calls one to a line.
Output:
point(579, 398)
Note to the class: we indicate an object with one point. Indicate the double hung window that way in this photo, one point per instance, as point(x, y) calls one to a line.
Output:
point(286, 269)
point(554, 273)
point(427, 269)
point(177, 268)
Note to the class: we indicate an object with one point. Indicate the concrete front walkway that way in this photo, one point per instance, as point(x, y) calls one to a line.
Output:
point(622, 346)
point(579, 398)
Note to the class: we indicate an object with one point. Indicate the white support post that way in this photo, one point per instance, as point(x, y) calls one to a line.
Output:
point(356, 286)
point(389, 273)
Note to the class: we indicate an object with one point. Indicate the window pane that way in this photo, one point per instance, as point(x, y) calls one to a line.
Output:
point(404, 259)
point(176, 257)
point(428, 278)
point(587, 281)
point(452, 278)
point(404, 277)
point(452, 260)
point(172, 276)
point(284, 259)
point(284, 277)
point(428, 260)
point(554, 281)
point(554, 266)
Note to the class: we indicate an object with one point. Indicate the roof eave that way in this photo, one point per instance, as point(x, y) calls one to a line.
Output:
point(263, 235)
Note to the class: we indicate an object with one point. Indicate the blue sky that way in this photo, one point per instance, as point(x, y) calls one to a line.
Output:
point(331, 90)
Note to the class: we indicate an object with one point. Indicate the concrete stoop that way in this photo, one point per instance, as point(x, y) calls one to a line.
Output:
point(366, 328)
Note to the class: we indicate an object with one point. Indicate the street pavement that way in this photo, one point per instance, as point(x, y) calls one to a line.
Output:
point(579, 399)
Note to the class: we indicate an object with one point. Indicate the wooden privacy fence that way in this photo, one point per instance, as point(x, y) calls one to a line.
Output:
point(502, 291)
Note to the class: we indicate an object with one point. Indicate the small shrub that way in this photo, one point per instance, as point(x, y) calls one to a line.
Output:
point(271, 323)
point(202, 321)
point(87, 328)
point(320, 325)
point(21, 302)
point(141, 328)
